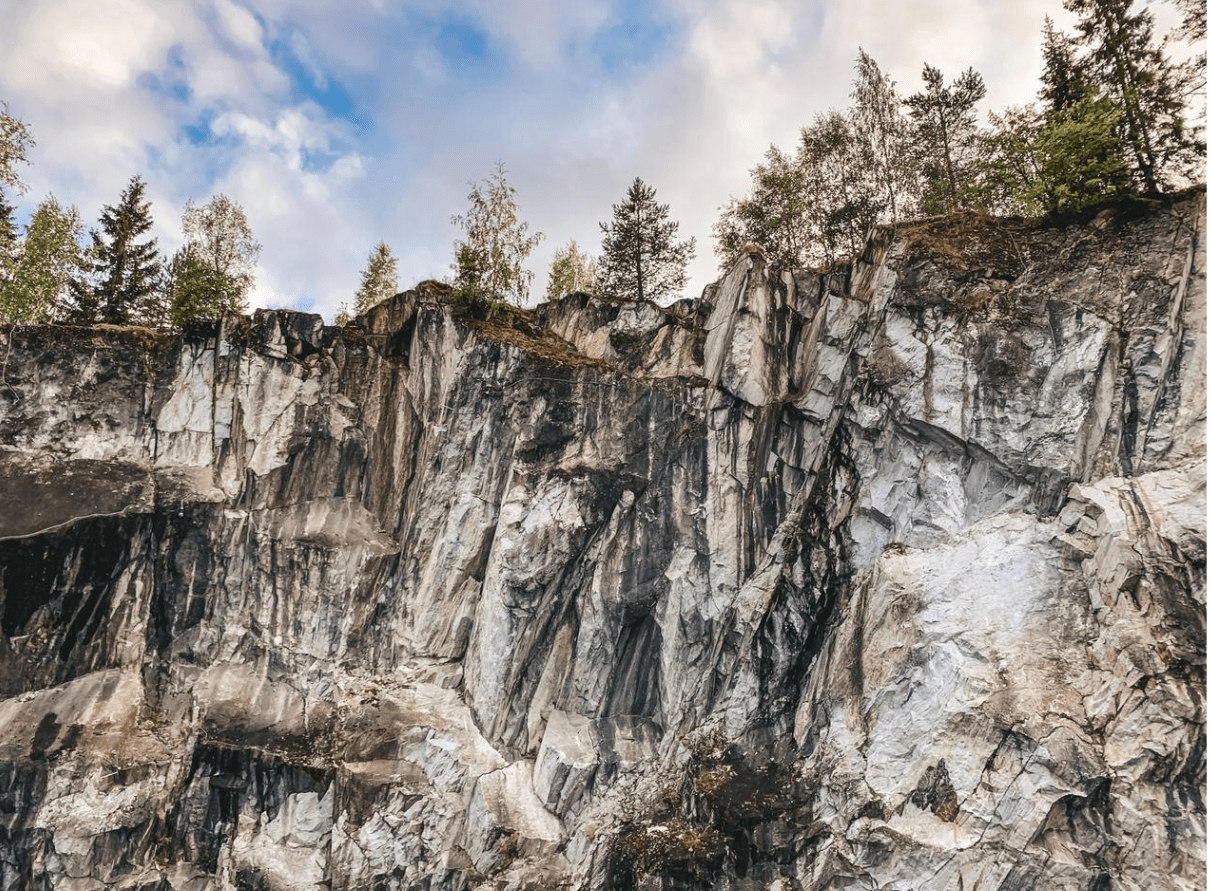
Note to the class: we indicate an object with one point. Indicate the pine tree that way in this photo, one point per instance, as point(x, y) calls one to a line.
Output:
point(379, 279)
point(880, 123)
point(572, 271)
point(1132, 69)
point(640, 256)
point(122, 283)
point(489, 262)
point(43, 265)
point(945, 137)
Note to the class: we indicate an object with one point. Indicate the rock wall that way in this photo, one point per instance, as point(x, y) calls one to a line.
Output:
point(890, 578)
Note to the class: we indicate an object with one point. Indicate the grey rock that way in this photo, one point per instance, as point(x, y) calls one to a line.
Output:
point(887, 578)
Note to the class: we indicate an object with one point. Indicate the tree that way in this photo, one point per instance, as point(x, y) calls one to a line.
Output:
point(121, 284)
point(945, 135)
point(842, 200)
point(1056, 162)
point(489, 261)
point(43, 266)
point(1193, 30)
point(195, 289)
point(214, 270)
point(774, 215)
point(15, 142)
point(1132, 69)
point(1064, 83)
point(640, 256)
point(218, 235)
point(880, 123)
point(379, 279)
point(572, 271)
point(8, 237)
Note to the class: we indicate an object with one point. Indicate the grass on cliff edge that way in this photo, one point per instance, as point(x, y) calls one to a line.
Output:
point(503, 322)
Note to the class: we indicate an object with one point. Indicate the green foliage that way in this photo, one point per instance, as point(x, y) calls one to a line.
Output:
point(1064, 82)
point(197, 290)
point(1129, 67)
point(379, 279)
point(572, 271)
point(41, 267)
point(945, 136)
point(774, 215)
point(1078, 157)
point(218, 235)
point(121, 282)
point(811, 209)
point(641, 258)
point(214, 270)
point(489, 262)
point(842, 197)
point(8, 236)
point(15, 143)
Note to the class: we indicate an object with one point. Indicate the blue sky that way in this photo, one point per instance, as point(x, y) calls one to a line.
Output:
point(339, 124)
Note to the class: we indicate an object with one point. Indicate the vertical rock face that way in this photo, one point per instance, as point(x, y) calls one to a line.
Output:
point(886, 579)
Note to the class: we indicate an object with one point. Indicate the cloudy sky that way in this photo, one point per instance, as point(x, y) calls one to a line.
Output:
point(340, 124)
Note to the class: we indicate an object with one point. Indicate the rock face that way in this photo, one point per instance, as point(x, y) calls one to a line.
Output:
point(889, 579)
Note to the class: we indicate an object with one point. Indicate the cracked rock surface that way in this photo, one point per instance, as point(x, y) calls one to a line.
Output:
point(892, 578)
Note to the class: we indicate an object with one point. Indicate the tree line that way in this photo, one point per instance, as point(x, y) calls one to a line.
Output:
point(1109, 122)
point(641, 257)
point(118, 275)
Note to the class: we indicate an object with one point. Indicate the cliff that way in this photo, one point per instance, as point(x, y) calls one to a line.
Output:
point(889, 578)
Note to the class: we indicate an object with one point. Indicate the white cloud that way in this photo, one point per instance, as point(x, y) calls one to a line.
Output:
point(125, 86)
point(240, 26)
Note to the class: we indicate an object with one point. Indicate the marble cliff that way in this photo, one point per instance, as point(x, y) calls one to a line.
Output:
point(889, 578)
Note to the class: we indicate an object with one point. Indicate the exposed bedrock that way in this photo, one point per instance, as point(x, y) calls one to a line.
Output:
point(892, 578)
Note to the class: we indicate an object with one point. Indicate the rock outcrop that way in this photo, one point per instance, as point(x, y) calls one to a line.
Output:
point(890, 578)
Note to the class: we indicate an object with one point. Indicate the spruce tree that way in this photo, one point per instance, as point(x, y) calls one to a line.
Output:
point(195, 289)
point(1132, 69)
point(1064, 83)
point(945, 124)
point(122, 284)
point(640, 256)
point(379, 279)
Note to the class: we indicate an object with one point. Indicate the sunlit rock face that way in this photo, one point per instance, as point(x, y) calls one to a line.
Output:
point(891, 578)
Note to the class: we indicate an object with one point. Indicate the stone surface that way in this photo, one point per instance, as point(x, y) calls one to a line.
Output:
point(889, 578)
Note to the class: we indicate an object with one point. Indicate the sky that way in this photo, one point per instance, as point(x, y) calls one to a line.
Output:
point(337, 125)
